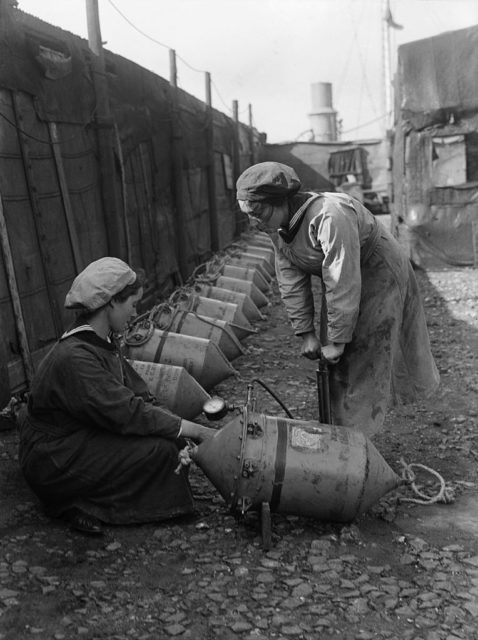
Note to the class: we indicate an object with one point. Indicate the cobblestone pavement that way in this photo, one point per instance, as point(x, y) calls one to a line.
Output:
point(402, 572)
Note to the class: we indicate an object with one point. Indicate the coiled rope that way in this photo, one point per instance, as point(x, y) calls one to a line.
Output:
point(445, 493)
point(139, 332)
point(209, 272)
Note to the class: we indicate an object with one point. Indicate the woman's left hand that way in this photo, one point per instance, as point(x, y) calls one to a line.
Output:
point(310, 345)
point(332, 352)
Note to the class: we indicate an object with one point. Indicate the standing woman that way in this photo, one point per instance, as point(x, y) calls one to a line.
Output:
point(372, 324)
point(95, 446)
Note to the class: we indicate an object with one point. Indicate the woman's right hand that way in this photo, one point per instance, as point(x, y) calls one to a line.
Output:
point(196, 432)
point(333, 352)
point(310, 346)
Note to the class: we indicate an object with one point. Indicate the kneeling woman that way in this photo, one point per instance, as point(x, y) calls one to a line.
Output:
point(95, 446)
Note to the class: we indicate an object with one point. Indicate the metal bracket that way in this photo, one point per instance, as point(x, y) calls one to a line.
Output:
point(254, 430)
point(249, 468)
point(244, 504)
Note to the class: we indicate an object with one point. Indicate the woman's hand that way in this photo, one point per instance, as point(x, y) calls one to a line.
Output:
point(195, 431)
point(332, 352)
point(310, 345)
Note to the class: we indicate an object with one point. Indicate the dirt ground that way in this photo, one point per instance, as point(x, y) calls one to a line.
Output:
point(402, 571)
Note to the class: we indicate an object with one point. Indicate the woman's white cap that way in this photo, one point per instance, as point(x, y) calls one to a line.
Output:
point(96, 285)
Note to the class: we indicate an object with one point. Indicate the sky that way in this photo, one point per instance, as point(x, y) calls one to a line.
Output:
point(269, 53)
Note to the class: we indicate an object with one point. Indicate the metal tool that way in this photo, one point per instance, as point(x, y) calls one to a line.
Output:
point(323, 391)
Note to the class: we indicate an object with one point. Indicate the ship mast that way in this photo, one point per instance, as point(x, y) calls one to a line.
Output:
point(387, 67)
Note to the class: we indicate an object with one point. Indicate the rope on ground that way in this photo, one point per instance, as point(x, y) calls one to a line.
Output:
point(445, 494)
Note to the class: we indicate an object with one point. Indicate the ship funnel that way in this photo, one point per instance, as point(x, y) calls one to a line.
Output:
point(323, 118)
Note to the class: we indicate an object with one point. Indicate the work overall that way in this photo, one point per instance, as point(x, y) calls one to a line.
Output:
point(368, 299)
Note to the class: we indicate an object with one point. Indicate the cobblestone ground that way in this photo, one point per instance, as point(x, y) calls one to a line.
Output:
point(403, 571)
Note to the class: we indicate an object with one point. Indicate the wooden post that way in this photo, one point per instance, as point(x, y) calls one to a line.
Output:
point(17, 307)
point(5, 392)
point(25, 149)
point(6, 21)
point(211, 169)
point(124, 208)
point(177, 169)
point(105, 135)
point(236, 160)
point(474, 239)
point(251, 137)
point(65, 196)
point(151, 227)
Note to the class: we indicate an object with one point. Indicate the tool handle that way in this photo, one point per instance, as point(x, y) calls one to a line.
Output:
point(323, 391)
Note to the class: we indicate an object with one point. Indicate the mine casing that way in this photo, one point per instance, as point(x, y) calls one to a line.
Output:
point(200, 357)
point(250, 274)
point(257, 235)
point(303, 468)
point(173, 387)
point(258, 241)
point(243, 286)
point(262, 252)
point(243, 301)
point(211, 308)
point(193, 324)
point(248, 260)
point(266, 253)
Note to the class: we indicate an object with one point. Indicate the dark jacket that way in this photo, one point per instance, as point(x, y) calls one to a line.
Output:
point(94, 437)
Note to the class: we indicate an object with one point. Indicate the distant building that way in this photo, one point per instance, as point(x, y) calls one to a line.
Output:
point(324, 162)
point(311, 161)
point(435, 157)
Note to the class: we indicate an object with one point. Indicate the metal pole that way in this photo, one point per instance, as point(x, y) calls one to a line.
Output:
point(323, 391)
point(387, 67)
point(388, 89)
point(251, 136)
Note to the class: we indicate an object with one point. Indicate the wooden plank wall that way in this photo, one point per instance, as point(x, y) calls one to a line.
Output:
point(51, 192)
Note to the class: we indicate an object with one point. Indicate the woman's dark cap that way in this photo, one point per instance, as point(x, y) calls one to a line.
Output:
point(96, 285)
point(267, 182)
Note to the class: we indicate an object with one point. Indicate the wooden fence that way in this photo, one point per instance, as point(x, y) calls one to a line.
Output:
point(150, 180)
